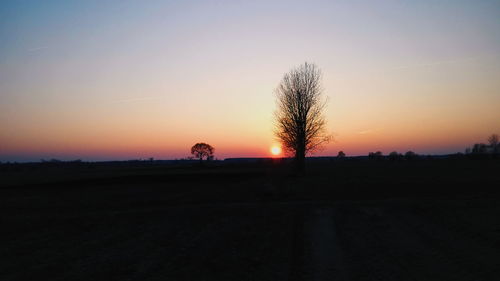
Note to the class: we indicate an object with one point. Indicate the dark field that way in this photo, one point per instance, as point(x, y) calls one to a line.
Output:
point(435, 219)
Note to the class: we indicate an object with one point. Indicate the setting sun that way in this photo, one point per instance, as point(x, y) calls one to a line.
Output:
point(276, 150)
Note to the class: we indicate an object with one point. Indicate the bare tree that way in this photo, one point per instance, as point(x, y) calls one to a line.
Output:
point(202, 150)
point(300, 125)
point(493, 140)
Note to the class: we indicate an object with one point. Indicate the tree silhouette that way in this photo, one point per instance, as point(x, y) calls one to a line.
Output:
point(493, 140)
point(394, 156)
point(493, 147)
point(375, 155)
point(494, 143)
point(341, 154)
point(202, 150)
point(410, 155)
point(300, 125)
point(480, 148)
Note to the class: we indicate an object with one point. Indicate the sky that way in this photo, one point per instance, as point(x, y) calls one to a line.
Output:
point(113, 80)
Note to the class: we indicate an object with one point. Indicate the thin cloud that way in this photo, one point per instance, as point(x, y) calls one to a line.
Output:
point(369, 131)
point(37, 49)
point(434, 63)
point(134, 100)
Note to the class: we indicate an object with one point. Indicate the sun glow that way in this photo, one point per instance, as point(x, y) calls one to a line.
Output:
point(275, 150)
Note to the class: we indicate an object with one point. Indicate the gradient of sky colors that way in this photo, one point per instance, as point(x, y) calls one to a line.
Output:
point(103, 80)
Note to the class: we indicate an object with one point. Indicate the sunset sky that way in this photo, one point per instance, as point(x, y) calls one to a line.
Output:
point(104, 80)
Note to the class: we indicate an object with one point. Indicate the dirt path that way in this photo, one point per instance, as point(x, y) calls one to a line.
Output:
point(323, 256)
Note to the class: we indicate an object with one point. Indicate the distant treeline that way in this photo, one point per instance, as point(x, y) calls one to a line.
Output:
point(491, 148)
point(477, 151)
point(409, 155)
point(91, 164)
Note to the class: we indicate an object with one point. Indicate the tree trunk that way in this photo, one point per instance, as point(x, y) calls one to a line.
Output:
point(300, 158)
point(300, 152)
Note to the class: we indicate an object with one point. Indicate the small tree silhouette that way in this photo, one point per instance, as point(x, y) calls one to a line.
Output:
point(493, 140)
point(375, 155)
point(394, 156)
point(494, 143)
point(410, 155)
point(341, 154)
point(479, 148)
point(202, 150)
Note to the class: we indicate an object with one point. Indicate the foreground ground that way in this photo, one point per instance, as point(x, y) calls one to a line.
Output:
point(349, 220)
